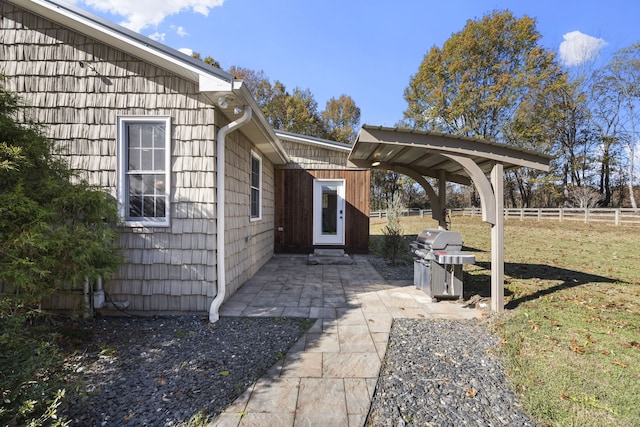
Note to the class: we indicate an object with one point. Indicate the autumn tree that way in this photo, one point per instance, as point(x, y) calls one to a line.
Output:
point(207, 59)
point(624, 76)
point(485, 77)
point(341, 119)
point(607, 108)
point(297, 111)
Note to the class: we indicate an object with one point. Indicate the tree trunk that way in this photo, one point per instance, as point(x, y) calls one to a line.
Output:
point(632, 152)
point(605, 173)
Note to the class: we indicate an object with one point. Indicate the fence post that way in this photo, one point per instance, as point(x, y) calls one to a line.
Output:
point(561, 214)
point(586, 215)
point(617, 216)
point(539, 214)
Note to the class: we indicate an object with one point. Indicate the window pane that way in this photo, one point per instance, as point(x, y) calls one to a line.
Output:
point(255, 206)
point(147, 136)
point(158, 135)
point(255, 172)
point(136, 185)
point(134, 159)
point(160, 207)
point(159, 184)
point(146, 159)
point(134, 135)
point(329, 210)
point(158, 159)
point(135, 206)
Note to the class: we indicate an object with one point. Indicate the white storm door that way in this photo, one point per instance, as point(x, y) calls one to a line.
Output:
point(328, 212)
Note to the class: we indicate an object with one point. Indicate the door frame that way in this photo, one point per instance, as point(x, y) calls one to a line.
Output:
point(318, 237)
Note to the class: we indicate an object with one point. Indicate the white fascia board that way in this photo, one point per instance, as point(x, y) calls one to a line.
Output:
point(332, 145)
point(208, 83)
point(244, 95)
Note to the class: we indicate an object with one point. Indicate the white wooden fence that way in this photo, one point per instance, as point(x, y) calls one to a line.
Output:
point(617, 216)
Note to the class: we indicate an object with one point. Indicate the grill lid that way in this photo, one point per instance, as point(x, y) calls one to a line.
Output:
point(440, 240)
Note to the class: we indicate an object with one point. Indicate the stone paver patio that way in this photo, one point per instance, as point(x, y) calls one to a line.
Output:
point(329, 376)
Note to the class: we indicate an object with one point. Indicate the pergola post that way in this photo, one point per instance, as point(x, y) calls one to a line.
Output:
point(442, 197)
point(497, 241)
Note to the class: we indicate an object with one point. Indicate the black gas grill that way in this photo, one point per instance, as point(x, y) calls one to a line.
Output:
point(438, 260)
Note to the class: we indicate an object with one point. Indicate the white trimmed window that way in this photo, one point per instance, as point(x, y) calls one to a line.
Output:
point(256, 187)
point(144, 154)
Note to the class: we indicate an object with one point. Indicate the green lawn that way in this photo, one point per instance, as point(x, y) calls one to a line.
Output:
point(571, 330)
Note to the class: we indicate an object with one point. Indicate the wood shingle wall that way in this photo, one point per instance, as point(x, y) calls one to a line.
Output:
point(170, 268)
point(249, 244)
point(313, 156)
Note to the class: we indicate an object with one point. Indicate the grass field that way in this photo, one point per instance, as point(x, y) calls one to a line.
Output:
point(571, 329)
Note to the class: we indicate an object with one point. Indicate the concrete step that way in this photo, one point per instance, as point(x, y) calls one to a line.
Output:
point(329, 257)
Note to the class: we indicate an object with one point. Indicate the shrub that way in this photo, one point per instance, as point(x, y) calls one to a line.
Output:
point(394, 245)
point(54, 231)
point(30, 371)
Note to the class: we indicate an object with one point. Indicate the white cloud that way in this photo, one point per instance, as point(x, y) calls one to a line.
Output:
point(180, 30)
point(578, 48)
point(157, 36)
point(140, 14)
point(186, 51)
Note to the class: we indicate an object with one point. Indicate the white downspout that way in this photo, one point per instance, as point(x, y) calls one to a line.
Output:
point(214, 315)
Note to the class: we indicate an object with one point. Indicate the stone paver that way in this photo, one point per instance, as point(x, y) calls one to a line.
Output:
point(329, 376)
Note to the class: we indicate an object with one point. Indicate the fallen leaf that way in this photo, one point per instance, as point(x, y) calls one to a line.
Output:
point(591, 340)
point(563, 396)
point(605, 352)
point(224, 373)
point(619, 363)
point(578, 349)
point(471, 392)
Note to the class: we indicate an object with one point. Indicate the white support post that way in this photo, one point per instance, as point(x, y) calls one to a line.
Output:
point(497, 242)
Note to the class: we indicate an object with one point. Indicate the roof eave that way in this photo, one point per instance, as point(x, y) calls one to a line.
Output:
point(211, 80)
point(131, 42)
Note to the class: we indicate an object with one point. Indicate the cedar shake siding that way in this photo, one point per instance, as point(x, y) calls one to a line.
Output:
point(169, 269)
point(249, 244)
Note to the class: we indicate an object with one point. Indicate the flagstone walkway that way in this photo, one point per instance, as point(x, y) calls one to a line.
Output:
point(328, 377)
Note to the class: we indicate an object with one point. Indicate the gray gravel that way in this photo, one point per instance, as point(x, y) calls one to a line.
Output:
point(443, 373)
point(154, 371)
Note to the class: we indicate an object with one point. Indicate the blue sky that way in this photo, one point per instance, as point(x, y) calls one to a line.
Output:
point(366, 49)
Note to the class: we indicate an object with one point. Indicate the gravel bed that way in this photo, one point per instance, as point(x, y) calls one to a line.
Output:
point(403, 270)
point(170, 371)
point(443, 373)
point(164, 371)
